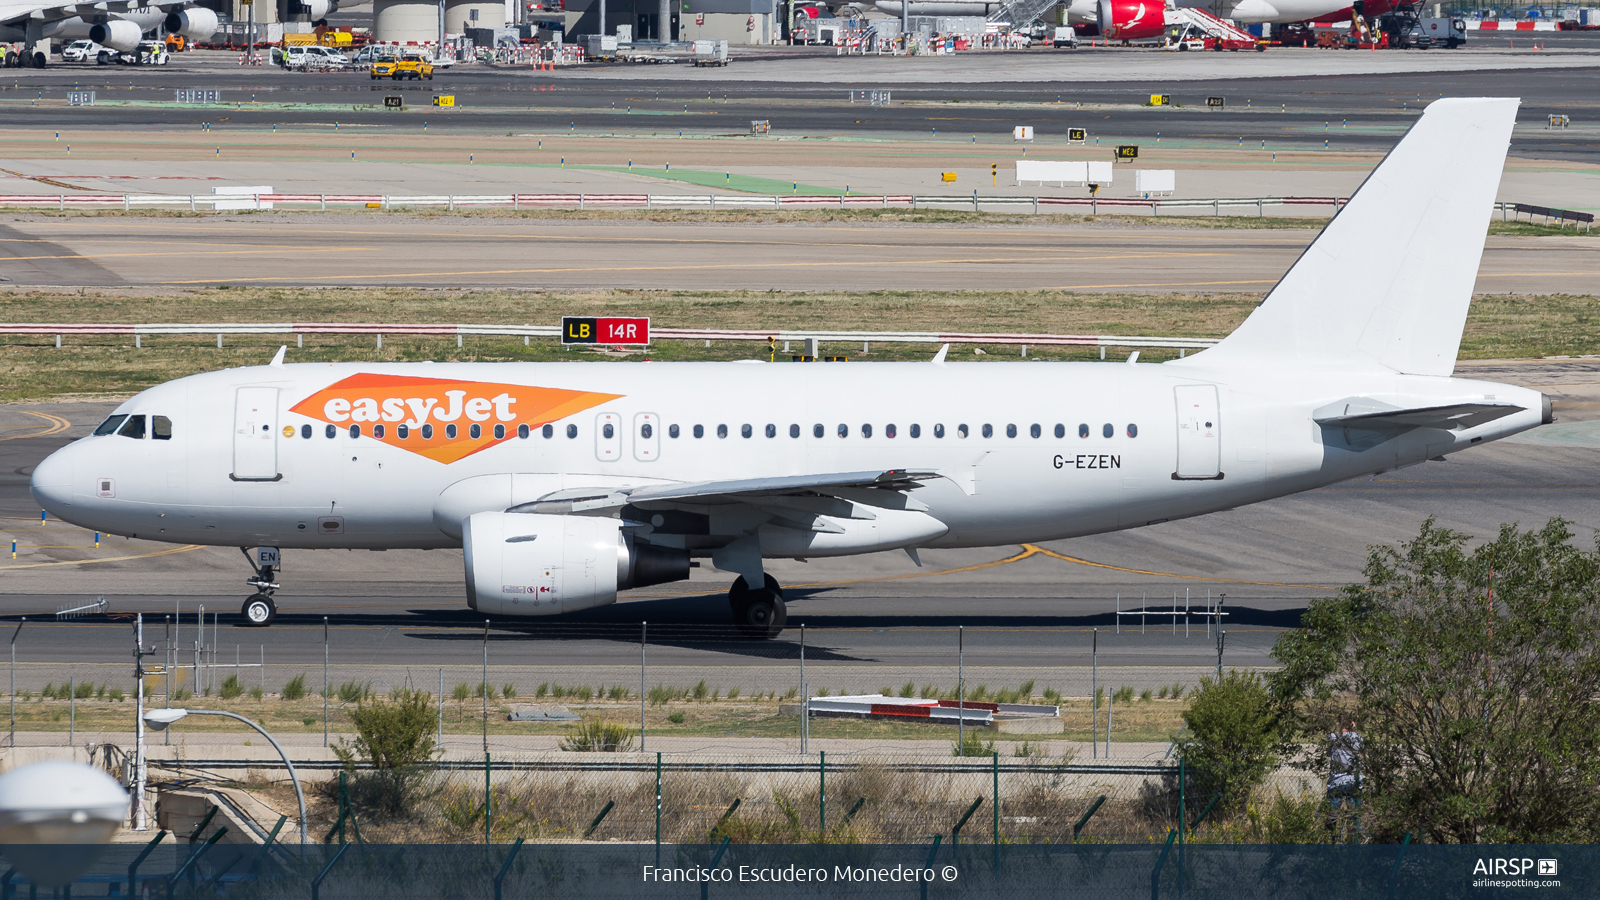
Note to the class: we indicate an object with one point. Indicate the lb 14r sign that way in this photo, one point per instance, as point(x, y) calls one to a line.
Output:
point(605, 330)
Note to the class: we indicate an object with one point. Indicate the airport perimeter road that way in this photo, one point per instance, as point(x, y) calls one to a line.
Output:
point(437, 251)
point(1026, 610)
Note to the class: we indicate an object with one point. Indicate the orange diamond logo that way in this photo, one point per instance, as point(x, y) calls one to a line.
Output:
point(441, 418)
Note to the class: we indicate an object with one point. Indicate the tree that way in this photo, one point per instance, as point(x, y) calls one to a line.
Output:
point(1474, 676)
point(1232, 740)
point(396, 739)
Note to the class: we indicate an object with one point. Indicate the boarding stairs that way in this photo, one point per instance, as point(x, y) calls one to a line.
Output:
point(1197, 23)
point(1021, 13)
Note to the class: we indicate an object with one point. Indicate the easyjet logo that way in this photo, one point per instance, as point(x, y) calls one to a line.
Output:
point(440, 418)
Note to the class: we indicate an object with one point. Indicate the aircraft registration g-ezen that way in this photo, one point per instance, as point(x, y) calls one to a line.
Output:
point(567, 482)
point(118, 24)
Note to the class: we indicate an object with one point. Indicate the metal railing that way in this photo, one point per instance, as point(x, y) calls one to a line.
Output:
point(60, 329)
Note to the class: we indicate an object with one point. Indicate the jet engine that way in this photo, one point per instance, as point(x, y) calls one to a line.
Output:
point(1132, 20)
point(118, 34)
point(195, 23)
point(532, 564)
point(320, 9)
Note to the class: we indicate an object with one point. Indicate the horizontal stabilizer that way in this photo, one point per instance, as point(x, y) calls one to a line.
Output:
point(1454, 417)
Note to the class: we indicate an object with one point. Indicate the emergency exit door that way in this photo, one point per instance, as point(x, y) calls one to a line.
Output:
point(1199, 433)
point(255, 434)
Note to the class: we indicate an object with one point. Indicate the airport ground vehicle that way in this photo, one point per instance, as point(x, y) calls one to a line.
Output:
point(85, 50)
point(147, 53)
point(311, 57)
point(1064, 36)
point(400, 68)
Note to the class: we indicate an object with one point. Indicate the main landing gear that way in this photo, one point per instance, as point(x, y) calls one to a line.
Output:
point(259, 611)
point(759, 612)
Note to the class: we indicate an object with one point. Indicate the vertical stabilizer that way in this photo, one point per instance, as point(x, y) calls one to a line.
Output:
point(1389, 280)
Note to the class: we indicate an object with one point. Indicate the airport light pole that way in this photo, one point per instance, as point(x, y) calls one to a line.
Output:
point(159, 719)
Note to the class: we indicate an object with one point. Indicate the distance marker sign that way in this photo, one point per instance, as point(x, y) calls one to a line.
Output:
point(605, 330)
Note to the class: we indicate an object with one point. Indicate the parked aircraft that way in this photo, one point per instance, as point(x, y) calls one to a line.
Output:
point(568, 482)
point(118, 24)
point(1137, 19)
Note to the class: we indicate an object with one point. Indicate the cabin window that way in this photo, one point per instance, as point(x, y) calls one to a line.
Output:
point(916, 431)
point(1011, 431)
point(866, 431)
point(499, 432)
point(722, 431)
point(1061, 430)
point(672, 431)
point(330, 431)
point(699, 431)
point(988, 430)
point(745, 431)
point(818, 431)
point(305, 432)
point(450, 431)
point(844, 430)
point(161, 428)
point(427, 432)
point(474, 431)
point(1083, 430)
point(772, 430)
point(1108, 430)
point(1133, 431)
point(355, 431)
point(794, 431)
point(608, 431)
point(402, 431)
point(938, 431)
point(377, 431)
point(888, 431)
point(1034, 430)
point(961, 431)
point(572, 431)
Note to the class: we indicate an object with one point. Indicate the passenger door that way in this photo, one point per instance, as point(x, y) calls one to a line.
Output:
point(1199, 433)
point(255, 434)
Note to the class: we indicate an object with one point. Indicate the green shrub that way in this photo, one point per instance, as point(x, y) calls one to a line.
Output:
point(700, 690)
point(396, 740)
point(542, 691)
point(256, 693)
point(295, 688)
point(909, 689)
point(791, 693)
point(972, 743)
point(733, 693)
point(461, 691)
point(1026, 689)
point(591, 736)
point(231, 687)
point(1124, 694)
point(114, 694)
point(85, 690)
point(100, 693)
point(1232, 737)
point(308, 720)
point(355, 691)
point(48, 692)
point(1162, 694)
point(978, 693)
point(1144, 695)
point(1051, 695)
point(508, 690)
point(676, 718)
point(181, 694)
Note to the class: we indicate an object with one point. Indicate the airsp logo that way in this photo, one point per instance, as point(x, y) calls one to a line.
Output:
point(1547, 867)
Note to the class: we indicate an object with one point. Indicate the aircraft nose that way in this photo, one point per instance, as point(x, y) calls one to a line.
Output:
point(52, 481)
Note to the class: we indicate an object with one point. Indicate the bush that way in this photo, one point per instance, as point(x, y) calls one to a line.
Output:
point(908, 689)
point(231, 687)
point(114, 694)
point(591, 736)
point(508, 690)
point(256, 693)
point(308, 720)
point(396, 739)
point(543, 690)
point(100, 693)
point(355, 691)
point(972, 744)
point(48, 691)
point(461, 691)
point(675, 718)
point(733, 693)
point(295, 688)
point(700, 690)
point(1232, 737)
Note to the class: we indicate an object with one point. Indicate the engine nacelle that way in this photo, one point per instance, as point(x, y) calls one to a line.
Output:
point(320, 9)
point(1132, 20)
point(531, 564)
point(195, 23)
point(118, 34)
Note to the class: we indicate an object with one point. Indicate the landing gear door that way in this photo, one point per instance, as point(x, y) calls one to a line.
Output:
point(1199, 433)
point(255, 434)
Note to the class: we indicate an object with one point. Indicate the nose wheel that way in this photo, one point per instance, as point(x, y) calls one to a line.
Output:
point(759, 613)
point(259, 611)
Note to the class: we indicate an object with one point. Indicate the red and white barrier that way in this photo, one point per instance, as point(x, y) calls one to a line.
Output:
point(1509, 25)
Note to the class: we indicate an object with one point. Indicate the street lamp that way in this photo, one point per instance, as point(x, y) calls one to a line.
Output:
point(52, 811)
point(159, 719)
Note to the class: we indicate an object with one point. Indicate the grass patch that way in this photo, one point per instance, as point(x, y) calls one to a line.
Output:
point(1498, 326)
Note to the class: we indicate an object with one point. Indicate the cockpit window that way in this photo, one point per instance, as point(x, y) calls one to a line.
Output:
point(109, 426)
point(134, 428)
point(160, 428)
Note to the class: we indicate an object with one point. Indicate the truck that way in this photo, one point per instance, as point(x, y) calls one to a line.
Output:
point(600, 46)
point(1065, 36)
point(710, 53)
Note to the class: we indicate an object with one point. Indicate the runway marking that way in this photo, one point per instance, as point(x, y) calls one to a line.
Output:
point(56, 426)
point(1085, 562)
point(876, 263)
point(85, 562)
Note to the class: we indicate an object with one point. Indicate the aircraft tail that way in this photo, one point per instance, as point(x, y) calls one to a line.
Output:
point(1389, 280)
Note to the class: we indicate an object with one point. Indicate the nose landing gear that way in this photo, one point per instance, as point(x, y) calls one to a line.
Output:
point(759, 612)
point(259, 611)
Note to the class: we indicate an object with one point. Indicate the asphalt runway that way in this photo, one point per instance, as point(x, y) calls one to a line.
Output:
point(1026, 612)
point(308, 249)
point(1292, 108)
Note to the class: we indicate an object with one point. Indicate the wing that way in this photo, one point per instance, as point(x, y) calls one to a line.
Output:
point(878, 487)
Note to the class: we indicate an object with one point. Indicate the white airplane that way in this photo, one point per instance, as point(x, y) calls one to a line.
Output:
point(568, 482)
point(1136, 19)
point(118, 24)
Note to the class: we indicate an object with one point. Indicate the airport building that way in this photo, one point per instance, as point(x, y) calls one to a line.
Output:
point(735, 21)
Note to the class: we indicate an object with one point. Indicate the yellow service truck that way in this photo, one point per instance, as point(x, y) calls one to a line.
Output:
point(399, 67)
